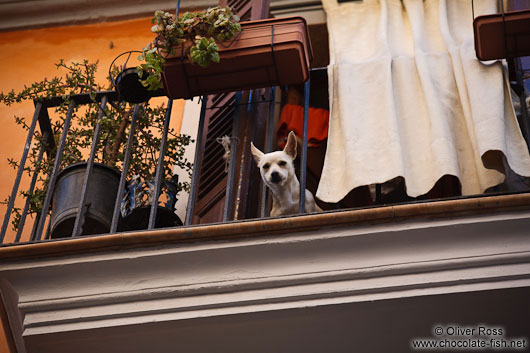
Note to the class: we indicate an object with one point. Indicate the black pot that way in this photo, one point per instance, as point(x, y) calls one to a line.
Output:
point(139, 219)
point(129, 87)
point(101, 196)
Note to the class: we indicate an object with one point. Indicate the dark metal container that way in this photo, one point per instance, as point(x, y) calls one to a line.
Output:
point(101, 196)
point(139, 219)
point(130, 88)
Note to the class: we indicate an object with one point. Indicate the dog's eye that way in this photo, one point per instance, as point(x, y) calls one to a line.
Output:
point(282, 163)
point(266, 166)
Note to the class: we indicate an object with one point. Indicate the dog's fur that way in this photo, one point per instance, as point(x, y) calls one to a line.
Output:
point(277, 171)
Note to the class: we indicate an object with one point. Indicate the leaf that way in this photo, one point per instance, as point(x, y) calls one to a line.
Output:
point(215, 57)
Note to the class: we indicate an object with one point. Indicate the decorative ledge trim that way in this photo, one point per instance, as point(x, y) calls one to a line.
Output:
point(126, 283)
point(27, 14)
point(281, 296)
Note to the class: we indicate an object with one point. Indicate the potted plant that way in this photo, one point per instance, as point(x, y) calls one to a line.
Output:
point(137, 200)
point(195, 33)
point(206, 53)
point(80, 78)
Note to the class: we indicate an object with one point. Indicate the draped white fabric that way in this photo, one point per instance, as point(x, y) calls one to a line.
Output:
point(409, 98)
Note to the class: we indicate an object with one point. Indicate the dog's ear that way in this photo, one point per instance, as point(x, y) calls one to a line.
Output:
point(256, 153)
point(290, 147)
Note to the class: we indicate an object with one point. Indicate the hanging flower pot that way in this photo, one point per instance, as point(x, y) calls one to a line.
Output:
point(502, 35)
point(129, 88)
point(265, 53)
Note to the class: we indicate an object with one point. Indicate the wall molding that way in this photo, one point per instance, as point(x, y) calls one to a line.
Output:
point(27, 14)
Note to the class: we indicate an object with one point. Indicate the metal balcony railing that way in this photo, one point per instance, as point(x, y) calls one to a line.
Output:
point(41, 117)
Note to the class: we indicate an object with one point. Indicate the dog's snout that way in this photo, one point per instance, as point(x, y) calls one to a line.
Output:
point(276, 177)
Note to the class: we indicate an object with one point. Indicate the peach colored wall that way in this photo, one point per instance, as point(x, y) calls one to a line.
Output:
point(28, 56)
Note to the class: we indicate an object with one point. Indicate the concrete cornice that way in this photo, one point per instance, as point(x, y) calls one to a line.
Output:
point(27, 14)
point(24, 14)
point(78, 299)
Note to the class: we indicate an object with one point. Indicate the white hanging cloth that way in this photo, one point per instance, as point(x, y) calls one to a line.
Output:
point(409, 98)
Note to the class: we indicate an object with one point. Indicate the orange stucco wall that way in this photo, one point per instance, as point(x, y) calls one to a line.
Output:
point(28, 56)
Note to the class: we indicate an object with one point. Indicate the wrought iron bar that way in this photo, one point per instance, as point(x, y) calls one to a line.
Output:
point(87, 98)
point(229, 195)
point(20, 171)
point(303, 157)
point(160, 165)
point(80, 98)
point(45, 127)
point(196, 163)
point(82, 208)
point(30, 190)
point(268, 148)
point(55, 170)
point(378, 195)
point(48, 230)
point(506, 54)
point(125, 167)
point(35, 226)
point(522, 101)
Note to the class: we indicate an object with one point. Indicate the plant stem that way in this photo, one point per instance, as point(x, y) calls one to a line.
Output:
point(115, 147)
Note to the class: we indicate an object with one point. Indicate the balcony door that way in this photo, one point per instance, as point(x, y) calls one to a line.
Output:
point(219, 121)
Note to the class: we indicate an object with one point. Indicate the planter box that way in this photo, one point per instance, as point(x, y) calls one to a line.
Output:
point(491, 33)
point(266, 53)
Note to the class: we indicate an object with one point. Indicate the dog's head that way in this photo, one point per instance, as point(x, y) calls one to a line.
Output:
point(276, 167)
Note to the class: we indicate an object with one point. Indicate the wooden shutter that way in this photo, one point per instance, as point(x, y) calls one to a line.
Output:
point(219, 119)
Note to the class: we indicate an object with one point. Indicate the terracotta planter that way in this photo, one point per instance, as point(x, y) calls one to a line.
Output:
point(491, 35)
point(266, 53)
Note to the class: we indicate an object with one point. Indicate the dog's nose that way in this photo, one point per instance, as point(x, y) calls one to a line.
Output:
point(276, 177)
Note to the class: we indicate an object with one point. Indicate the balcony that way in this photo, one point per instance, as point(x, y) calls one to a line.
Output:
point(234, 279)
point(218, 193)
point(273, 273)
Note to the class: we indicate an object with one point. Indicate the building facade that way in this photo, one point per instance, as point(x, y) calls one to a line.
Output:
point(411, 276)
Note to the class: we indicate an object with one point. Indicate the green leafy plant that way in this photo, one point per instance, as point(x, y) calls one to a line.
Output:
point(195, 34)
point(80, 78)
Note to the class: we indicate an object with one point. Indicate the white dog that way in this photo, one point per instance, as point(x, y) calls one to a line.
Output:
point(277, 171)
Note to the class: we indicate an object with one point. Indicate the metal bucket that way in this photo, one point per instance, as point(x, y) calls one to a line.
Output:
point(100, 198)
